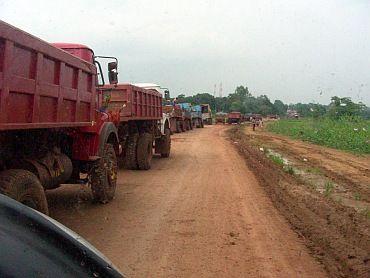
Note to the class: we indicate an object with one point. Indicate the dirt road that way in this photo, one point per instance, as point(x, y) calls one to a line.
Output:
point(200, 213)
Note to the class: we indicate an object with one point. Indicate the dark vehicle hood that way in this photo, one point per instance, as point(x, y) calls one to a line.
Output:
point(34, 245)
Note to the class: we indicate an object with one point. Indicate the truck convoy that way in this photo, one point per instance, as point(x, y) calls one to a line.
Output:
point(61, 124)
point(51, 126)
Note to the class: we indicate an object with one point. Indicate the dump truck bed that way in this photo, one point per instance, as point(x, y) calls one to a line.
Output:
point(42, 86)
point(234, 115)
point(132, 102)
point(174, 111)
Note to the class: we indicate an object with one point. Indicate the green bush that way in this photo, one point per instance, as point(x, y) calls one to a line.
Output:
point(347, 133)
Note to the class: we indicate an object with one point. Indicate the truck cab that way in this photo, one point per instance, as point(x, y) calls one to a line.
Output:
point(206, 113)
point(87, 54)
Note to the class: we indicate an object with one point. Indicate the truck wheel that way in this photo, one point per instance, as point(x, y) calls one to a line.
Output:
point(24, 187)
point(178, 127)
point(144, 151)
point(130, 158)
point(187, 125)
point(166, 141)
point(183, 128)
point(104, 176)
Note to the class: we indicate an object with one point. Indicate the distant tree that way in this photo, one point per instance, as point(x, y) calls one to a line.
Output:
point(236, 106)
point(180, 97)
point(265, 105)
point(366, 113)
point(280, 108)
point(344, 106)
point(242, 92)
point(221, 104)
point(317, 110)
point(243, 101)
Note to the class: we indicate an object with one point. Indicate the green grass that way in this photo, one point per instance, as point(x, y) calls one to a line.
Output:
point(289, 169)
point(357, 196)
point(328, 189)
point(343, 134)
point(277, 159)
point(314, 170)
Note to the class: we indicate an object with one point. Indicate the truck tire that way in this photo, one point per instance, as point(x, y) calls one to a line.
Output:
point(166, 141)
point(130, 158)
point(24, 187)
point(104, 176)
point(144, 151)
point(178, 127)
point(183, 128)
point(187, 126)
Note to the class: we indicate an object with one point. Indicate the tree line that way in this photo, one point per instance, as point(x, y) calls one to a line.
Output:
point(243, 101)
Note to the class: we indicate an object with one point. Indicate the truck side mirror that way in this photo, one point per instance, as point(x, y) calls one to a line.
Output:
point(112, 73)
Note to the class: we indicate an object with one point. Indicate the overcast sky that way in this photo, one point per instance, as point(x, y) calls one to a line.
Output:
point(293, 50)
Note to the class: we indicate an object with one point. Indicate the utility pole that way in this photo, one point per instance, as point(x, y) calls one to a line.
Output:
point(214, 95)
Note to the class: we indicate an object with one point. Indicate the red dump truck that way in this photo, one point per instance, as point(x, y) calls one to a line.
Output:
point(52, 130)
point(139, 113)
point(234, 118)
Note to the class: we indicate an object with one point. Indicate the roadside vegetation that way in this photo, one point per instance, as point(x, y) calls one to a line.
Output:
point(351, 134)
point(344, 126)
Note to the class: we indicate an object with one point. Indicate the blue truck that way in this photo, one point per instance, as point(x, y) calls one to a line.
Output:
point(186, 113)
point(196, 116)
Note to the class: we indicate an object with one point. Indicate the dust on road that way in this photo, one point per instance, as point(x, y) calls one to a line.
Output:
point(200, 213)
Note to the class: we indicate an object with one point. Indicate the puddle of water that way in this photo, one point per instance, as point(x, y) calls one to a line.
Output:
point(314, 178)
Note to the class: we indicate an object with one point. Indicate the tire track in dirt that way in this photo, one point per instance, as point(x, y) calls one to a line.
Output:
point(200, 213)
point(336, 235)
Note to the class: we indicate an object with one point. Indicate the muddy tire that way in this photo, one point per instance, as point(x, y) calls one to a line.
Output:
point(188, 125)
point(166, 141)
point(130, 158)
point(24, 187)
point(183, 128)
point(144, 151)
point(178, 127)
point(104, 176)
